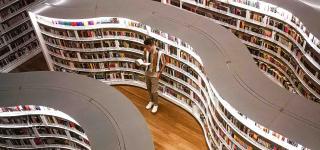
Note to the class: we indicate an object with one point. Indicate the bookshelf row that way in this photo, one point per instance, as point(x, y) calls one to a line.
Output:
point(107, 22)
point(106, 44)
point(107, 53)
point(114, 59)
point(260, 28)
point(32, 126)
point(266, 14)
point(305, 87)
point(294, 57)
point(182, 83)
point(15, 31)
point(111, 59)
point(301, 90)
point(276, 74)
point(28, 48)
point(98, 44)
point(13, 9)
point(54, 44)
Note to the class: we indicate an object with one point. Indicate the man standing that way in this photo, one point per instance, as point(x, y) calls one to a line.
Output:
point(157, 62)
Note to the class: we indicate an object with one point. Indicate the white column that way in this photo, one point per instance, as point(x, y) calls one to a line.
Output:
point(34, 129)
point(122, 75)
point(11, 50)
point(76, 34)
point(304, 45)
point(178, 52)
point(117, 43)
point(62, 54)
point(265, 20)
point(44, 120)
point(101, 65)
point(4, 40)
point(78, 56)
point(68, 134)
point(248, 14)
point(238, 24)
point(166, 47)
point(55, 120)
point(273, 34)
point(32, 143)
point(41, 40)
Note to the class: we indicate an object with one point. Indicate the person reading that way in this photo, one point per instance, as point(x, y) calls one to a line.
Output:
point(155, 62)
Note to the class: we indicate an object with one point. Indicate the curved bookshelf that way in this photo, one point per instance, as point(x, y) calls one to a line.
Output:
point(17, 44)
point(266, 24)
point(79, 46)
point(30, 127)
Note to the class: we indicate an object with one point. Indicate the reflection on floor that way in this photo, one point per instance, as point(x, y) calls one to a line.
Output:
point(172, 127)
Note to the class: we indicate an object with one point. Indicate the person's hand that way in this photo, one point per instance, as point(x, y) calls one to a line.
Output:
point(158, 75)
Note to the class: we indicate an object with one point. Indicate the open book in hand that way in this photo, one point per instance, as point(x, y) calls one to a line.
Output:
point(140, 62)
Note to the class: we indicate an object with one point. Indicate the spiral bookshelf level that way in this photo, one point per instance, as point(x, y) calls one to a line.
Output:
point(36, 127)
point(271, 33)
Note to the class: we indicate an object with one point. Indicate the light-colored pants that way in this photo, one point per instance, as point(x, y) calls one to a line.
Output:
point(152, 87)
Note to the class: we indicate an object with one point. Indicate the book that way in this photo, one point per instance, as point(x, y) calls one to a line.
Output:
point(140, 62)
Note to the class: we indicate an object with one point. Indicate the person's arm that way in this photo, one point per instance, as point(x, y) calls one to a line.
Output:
point(163, 60)
point(144, 55)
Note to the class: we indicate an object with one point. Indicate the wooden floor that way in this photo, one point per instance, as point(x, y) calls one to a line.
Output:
point(172, 128)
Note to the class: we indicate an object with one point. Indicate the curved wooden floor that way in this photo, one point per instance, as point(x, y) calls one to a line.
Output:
point(172, 127)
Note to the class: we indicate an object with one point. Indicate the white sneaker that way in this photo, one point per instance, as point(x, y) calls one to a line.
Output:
point(150, 104)
point(154, 109)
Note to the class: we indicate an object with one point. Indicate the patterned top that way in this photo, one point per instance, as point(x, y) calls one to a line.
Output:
point(156, 60)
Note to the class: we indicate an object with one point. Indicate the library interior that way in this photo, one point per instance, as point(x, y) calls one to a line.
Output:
point(160, 74)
